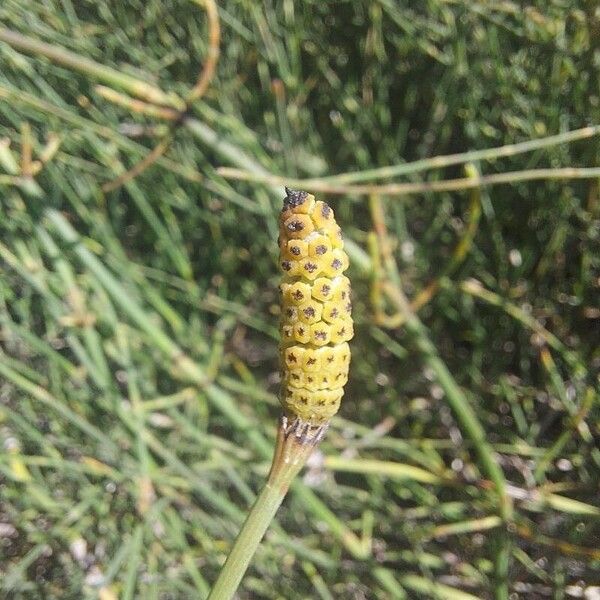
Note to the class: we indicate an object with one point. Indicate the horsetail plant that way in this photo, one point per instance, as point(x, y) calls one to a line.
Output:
point(316, 325)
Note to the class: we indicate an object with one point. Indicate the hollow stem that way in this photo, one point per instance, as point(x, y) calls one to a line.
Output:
point(413, 187)
point(252, 532)
point(296, 440)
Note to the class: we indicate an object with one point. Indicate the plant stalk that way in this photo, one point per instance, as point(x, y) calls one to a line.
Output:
point(466, 416)
point(132, 85)
point(252, 532)
point(414, 187)
point(295, 442)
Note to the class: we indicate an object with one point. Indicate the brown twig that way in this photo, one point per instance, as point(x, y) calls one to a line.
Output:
point(528, 533)
point(26, 150)
point(140, 166)
point(214, 38)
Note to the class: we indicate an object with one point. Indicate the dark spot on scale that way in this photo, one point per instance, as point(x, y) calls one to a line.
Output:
point(289, 312)
point(286, 265)
point(311, 361)
point(321, 402)
point(295, 226)
point(310, 267)
point(292, 358)
point(330, 359)
point(335, 313)
point(309, 379)
point(326, 211)
point(325, 290)
point(298, 295)
point(320, 335)
point(309, 311)
point(320, 249)
point(348, 307)
point(336, 263)
point(295, 376)
point(295, 250)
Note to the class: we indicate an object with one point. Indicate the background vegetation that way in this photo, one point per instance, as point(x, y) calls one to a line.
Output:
point(138, 325)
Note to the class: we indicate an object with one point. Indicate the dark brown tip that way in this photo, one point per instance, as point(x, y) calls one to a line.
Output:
point(293, 198)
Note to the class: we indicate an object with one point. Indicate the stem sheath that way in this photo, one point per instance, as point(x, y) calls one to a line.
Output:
point(295, 442)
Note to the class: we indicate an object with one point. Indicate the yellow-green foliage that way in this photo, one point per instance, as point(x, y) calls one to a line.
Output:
point(316, 321)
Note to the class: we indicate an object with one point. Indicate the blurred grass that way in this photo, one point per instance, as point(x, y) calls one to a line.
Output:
point(138, 328)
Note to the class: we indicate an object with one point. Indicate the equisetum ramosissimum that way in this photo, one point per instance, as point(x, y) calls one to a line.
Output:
point(316, 325)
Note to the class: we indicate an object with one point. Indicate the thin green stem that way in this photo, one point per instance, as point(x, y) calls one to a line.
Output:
point(291, 453)
point(60, 56)
point(260, 516)
point(503, 553)
point(465, 415)
point(456, 399)
point(418, 187)
point(447, 160)
point(384, 468)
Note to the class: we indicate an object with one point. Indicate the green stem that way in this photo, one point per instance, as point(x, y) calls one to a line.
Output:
point(456, 399)
point(466, 416)
point(260, 516)
point(415, 187)
point(60, 56)
point(503, 551)
point(438, 162)
point(294, 445)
